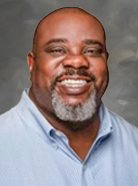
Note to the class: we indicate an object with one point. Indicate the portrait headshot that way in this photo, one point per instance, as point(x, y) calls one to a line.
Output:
point(69, 94)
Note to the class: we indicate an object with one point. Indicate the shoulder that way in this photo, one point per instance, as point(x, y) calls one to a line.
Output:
point(7, 118)
point(10, 123)
point(122, 128)
point(13, 118)
point(119, 121)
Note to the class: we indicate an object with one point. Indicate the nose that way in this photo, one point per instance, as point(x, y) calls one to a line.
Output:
point(75, 61)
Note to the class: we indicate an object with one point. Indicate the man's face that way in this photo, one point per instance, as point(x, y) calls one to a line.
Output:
point(70, 59)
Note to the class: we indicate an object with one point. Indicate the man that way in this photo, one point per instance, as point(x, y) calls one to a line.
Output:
point(60, 133)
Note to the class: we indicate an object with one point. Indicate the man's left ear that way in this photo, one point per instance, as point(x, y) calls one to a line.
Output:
point(107, 55)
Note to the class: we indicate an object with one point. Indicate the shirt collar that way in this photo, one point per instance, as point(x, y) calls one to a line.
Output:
point(105, 121)
point(32, 117)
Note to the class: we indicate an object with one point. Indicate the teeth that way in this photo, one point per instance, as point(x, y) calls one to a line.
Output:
point(73, 82)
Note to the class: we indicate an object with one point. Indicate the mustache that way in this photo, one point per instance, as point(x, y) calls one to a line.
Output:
point(71, 72)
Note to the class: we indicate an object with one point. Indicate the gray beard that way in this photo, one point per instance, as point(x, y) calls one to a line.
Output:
point(77, 113)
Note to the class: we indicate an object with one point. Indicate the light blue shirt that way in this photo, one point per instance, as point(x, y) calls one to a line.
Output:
point(33, 153)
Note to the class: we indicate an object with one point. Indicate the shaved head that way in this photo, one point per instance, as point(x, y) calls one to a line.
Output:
point(61, 12)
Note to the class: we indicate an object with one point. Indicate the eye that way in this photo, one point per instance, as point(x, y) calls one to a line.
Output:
point(57, 51)
point(93, 51)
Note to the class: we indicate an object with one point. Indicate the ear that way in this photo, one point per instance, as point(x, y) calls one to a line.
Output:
point(107, 55)
point(31, 63)
point(30, 59)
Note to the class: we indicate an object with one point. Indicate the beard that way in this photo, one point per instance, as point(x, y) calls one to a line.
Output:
point(75, 113)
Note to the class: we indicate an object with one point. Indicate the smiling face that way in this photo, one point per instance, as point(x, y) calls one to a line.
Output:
point(69, 60)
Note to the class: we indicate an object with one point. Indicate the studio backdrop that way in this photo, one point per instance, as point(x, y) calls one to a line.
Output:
point(18, 20)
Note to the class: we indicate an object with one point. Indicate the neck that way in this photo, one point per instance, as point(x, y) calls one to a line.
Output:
point(80, 139)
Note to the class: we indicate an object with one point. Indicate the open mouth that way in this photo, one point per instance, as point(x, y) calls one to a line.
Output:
point(73, 83)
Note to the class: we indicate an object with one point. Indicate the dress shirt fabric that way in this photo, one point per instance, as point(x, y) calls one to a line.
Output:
point(33, 153)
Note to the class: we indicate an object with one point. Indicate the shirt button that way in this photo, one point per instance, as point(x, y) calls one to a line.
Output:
point(58, 133)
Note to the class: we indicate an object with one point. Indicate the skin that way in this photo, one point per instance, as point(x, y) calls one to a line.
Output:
point(68, 38)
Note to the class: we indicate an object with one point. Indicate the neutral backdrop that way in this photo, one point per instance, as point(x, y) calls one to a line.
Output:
point(18, 19)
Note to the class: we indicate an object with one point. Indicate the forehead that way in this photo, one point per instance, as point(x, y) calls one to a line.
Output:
point(74, 27)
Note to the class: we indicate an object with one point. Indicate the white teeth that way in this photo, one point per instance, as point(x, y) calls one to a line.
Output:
point(73, 82)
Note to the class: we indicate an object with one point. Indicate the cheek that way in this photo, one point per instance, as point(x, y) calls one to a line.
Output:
point(45, 74)
point(39, 77)
point(101, 73)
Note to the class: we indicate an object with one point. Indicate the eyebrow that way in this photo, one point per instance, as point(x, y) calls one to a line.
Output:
point(86, 41)
point(93, 42)
point(56, 40)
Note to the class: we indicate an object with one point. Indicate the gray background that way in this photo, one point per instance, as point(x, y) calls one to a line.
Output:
point(18, 19)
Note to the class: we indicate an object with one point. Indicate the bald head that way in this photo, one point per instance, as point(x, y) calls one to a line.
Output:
point(59, 14)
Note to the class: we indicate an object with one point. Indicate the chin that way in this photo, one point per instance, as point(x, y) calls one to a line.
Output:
point(74, 101)
point(75, 110)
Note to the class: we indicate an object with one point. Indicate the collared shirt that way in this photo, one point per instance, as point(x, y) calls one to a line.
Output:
point(33, 153)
